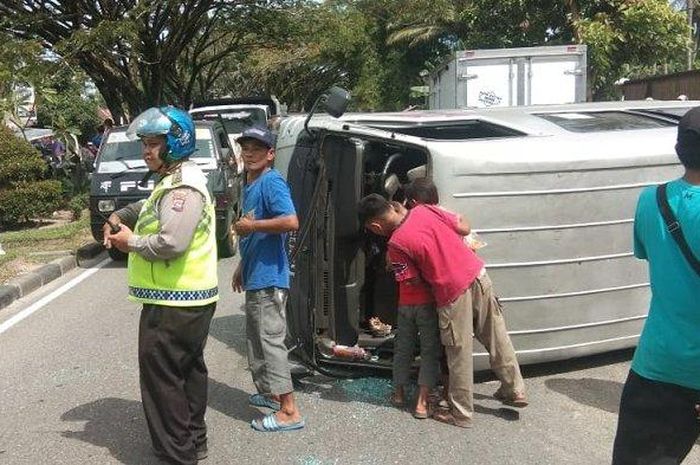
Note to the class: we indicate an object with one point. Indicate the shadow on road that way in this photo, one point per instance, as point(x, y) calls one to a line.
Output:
point(115, 424)
point(577, 364)
point(230, 330)
point(597, 393)
point(231, 401)
point(119, 425)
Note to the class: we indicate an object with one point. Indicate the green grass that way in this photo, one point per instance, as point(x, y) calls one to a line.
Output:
point(46, 234)
point(26, 249)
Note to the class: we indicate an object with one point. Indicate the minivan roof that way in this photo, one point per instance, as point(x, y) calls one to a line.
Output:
point(525, 119)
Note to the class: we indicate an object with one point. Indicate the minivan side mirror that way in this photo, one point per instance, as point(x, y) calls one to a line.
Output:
point(335, 101)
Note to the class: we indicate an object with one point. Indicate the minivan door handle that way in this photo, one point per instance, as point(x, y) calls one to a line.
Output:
point(574, 72)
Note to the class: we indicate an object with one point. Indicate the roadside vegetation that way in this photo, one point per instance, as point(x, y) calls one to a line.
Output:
point(40, 243)
point(41, 210)
point(140, 54)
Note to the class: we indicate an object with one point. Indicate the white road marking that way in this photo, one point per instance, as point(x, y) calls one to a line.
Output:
point(48, 298)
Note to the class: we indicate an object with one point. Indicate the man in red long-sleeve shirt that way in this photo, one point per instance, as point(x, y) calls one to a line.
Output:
point(427, 241)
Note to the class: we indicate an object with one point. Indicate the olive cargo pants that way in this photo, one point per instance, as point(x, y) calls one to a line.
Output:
point(266, 330)
point(477, 312)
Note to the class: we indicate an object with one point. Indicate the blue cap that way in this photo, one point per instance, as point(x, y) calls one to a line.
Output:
point(260, 134)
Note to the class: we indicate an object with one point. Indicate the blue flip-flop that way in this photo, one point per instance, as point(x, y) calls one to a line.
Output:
point(269, 424)
point(260, 400)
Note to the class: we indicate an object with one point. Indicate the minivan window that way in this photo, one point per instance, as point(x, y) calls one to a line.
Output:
point(118, 150)
point(676, 113)
point(462, 130)
point(603, 121)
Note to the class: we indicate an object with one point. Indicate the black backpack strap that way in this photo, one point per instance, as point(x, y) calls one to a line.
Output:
point(674, 228)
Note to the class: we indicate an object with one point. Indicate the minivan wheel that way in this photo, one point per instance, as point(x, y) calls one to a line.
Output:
point(117, 255)
point(228, 245)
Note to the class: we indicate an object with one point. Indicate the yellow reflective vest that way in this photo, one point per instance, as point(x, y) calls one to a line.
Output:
point(189, 279)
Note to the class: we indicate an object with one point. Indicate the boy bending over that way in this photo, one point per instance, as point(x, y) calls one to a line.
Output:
point(426, 242)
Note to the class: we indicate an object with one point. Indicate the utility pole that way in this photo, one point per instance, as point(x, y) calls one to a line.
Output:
point(691, 45)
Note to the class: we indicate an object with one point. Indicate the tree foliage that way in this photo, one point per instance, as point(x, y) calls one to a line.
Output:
point(630, 34)
point(66, 108)
point(140, 53)
point(620, 34)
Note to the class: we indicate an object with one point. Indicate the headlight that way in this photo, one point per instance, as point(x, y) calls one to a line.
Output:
point(105, 205)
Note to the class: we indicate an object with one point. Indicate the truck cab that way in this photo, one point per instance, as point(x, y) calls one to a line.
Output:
point(237, 115)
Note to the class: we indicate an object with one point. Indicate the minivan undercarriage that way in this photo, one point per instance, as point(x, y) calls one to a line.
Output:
point(356, 285)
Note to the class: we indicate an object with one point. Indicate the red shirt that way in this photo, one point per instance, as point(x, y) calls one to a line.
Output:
point(427, 246)
point(414, 292)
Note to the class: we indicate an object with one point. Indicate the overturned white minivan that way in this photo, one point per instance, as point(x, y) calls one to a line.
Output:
point(551, 190)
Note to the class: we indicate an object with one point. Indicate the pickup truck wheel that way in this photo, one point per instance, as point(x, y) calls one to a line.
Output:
point(117, 255)
point(228, 245)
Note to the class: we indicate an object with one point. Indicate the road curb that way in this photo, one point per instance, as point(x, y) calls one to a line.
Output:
point(27, 283)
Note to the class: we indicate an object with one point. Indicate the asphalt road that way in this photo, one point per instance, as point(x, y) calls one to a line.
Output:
point(69, 395)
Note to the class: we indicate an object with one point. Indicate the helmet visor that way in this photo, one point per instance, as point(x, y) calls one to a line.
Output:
point(152, 122)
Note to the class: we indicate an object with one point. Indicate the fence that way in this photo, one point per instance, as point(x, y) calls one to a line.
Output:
point(666, 87)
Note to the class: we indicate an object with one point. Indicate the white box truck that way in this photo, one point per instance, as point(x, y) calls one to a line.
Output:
point(509, 77)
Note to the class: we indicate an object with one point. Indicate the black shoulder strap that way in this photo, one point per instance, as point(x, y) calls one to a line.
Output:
point(674, 228)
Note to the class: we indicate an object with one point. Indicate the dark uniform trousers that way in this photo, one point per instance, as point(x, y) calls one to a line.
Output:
point(174, 378)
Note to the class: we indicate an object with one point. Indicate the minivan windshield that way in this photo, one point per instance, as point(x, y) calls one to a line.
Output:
point(119, 153)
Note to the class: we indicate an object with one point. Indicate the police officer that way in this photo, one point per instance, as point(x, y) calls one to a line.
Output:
point(172, 272)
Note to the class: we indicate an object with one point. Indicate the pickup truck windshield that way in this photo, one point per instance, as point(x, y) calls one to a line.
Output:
point(119, 153)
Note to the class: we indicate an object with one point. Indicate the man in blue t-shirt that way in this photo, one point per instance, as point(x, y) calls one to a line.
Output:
point(658, 420)
point(268, 215)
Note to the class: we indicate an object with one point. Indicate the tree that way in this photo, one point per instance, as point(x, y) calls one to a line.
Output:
point(630, 35)
point(336, 42)
point(620, 34)
point(138, 53)
point(21, 67)
point(65, 107)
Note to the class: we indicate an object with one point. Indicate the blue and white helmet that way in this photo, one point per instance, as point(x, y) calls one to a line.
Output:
point(175, 124)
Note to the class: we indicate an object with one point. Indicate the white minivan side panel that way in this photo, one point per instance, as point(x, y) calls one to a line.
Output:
point(557, 214)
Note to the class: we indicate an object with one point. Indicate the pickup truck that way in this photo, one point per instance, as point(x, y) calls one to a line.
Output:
point(120, 169)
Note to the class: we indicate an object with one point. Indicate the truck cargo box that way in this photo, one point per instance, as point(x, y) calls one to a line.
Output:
point(509, 77)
